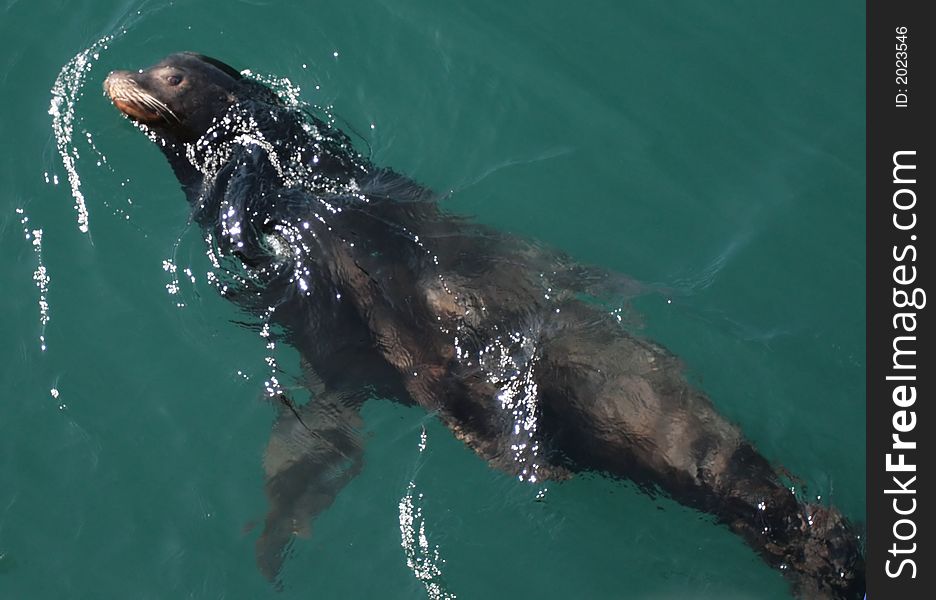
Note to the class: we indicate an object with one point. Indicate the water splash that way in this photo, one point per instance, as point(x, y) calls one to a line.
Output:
point(510, 361)
point(66, 91)
point(55, 393)
point(423, 560)
point(289, 92)
point(172, 287)
point(41, 275)
point(272, 385)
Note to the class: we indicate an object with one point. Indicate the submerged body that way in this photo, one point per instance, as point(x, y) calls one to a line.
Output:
point(382, 293)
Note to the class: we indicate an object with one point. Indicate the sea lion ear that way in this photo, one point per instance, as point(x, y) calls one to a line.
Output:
point(225, 68)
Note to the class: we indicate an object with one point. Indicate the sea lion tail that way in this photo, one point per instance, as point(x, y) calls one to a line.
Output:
point(817, 549)
point(828, 556)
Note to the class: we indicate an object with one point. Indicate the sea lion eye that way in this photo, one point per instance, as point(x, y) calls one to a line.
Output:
point(173, 80)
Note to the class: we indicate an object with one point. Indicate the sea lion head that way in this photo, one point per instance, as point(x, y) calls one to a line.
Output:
point(179, 97)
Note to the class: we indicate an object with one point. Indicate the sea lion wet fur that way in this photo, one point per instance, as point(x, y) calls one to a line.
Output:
point(384, 293)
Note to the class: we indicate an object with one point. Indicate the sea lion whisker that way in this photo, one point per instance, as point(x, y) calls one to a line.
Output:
point(165, 108)
point(158, 106)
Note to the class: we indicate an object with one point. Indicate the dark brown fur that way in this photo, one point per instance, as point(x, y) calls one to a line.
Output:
point(429, 309)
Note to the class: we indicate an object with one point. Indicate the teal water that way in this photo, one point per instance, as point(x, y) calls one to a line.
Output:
point(714, 151)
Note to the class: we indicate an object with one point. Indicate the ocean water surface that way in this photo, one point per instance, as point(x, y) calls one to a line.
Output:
point(713, 151)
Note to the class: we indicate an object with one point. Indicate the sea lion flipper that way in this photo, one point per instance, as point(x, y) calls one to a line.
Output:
point(313, 452)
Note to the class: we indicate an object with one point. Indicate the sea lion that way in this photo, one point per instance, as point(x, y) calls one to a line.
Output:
point(383, 293)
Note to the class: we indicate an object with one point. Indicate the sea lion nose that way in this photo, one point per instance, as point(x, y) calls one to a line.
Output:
point(110, 80)
point(119, 84)
point(115, 79)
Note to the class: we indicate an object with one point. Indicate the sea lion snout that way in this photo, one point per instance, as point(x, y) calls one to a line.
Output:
point(134, 101)
point(115, 81)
